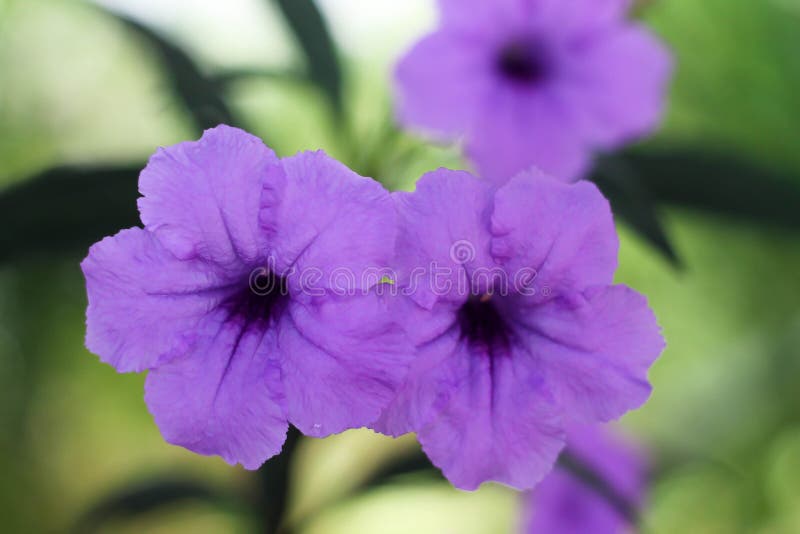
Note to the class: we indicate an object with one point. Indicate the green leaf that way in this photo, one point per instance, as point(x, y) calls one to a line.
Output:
point(146, 497)
point(66, 209)
point(720, 184)
point(275, 481)
point(201, 95)
point(311, 31)
point(632, 203)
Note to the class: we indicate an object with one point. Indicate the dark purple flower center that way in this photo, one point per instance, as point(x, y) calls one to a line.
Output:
point(523, 62)
point(260, 300)
point(482, 324)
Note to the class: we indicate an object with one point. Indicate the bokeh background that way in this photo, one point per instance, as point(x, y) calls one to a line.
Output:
point(79, 86)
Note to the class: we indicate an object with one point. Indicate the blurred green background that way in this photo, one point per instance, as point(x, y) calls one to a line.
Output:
point(78, 86)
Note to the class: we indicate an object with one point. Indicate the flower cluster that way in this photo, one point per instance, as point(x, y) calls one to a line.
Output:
point(488, 379)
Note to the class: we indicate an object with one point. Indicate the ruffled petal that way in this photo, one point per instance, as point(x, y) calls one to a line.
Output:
point(225, 397)
point(517, 130)
point(201, 198)
point(494, 420)
point(617, 85)
point(443, 236)
point(341, 360)
point(441, 82)
point(328, 227)
point(144, 303)
point(595, 349)
point(564, 233)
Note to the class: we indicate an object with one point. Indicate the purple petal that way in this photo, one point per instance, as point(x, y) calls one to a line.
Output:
point(201, 198)
point(144, 303)
point(617, 86)
point(576, 19)
point(595, 349)
point(323, 219)
point(563, 504)
point(443, 241)
point(225, 397)
point(341, 362)
point(621, 462)
point(517, 130)
point(481, 16)
point(494, 419)
point(564, 232)
point(442, 81)
point(421, 394)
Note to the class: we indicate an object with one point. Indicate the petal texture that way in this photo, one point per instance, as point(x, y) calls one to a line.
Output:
point(201, 198)
point(595, 349)
point(564, 232)
point(443, 241)
point(494, 420)
point(341, 362)
point(330, 227)
point(144, 303)
point(225, 397)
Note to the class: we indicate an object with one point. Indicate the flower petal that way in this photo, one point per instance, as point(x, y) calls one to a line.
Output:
point(144, 303)
point(565, 504)
point(201, 198)
point(517, 130)
point(617, 86)
point(434, 335)
point(225, 397)
point(595, 349)
point(341, 361)
point(443, 236)
point(441, 82)
point(495, 420)
point(481, 15)
point(327, 225)
point(564, 232)
point(578, 19)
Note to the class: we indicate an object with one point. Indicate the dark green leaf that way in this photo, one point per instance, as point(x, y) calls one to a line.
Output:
point(227, 77)
point(413, 464)
point(275, 479)
point(721, 184)
point(632, 203)
point(147, 497)
point(199, 93)
point(66, 209)
point(312, 34)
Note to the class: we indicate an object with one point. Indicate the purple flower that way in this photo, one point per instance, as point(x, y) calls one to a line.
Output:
point(208, 296)
point(544, 82)
point(563, 504)
point(519, 331)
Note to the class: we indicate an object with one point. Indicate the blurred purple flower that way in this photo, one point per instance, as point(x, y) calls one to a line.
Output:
point(505, 361)
point(203, 297)
point(563, 504)
point(534, 82)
